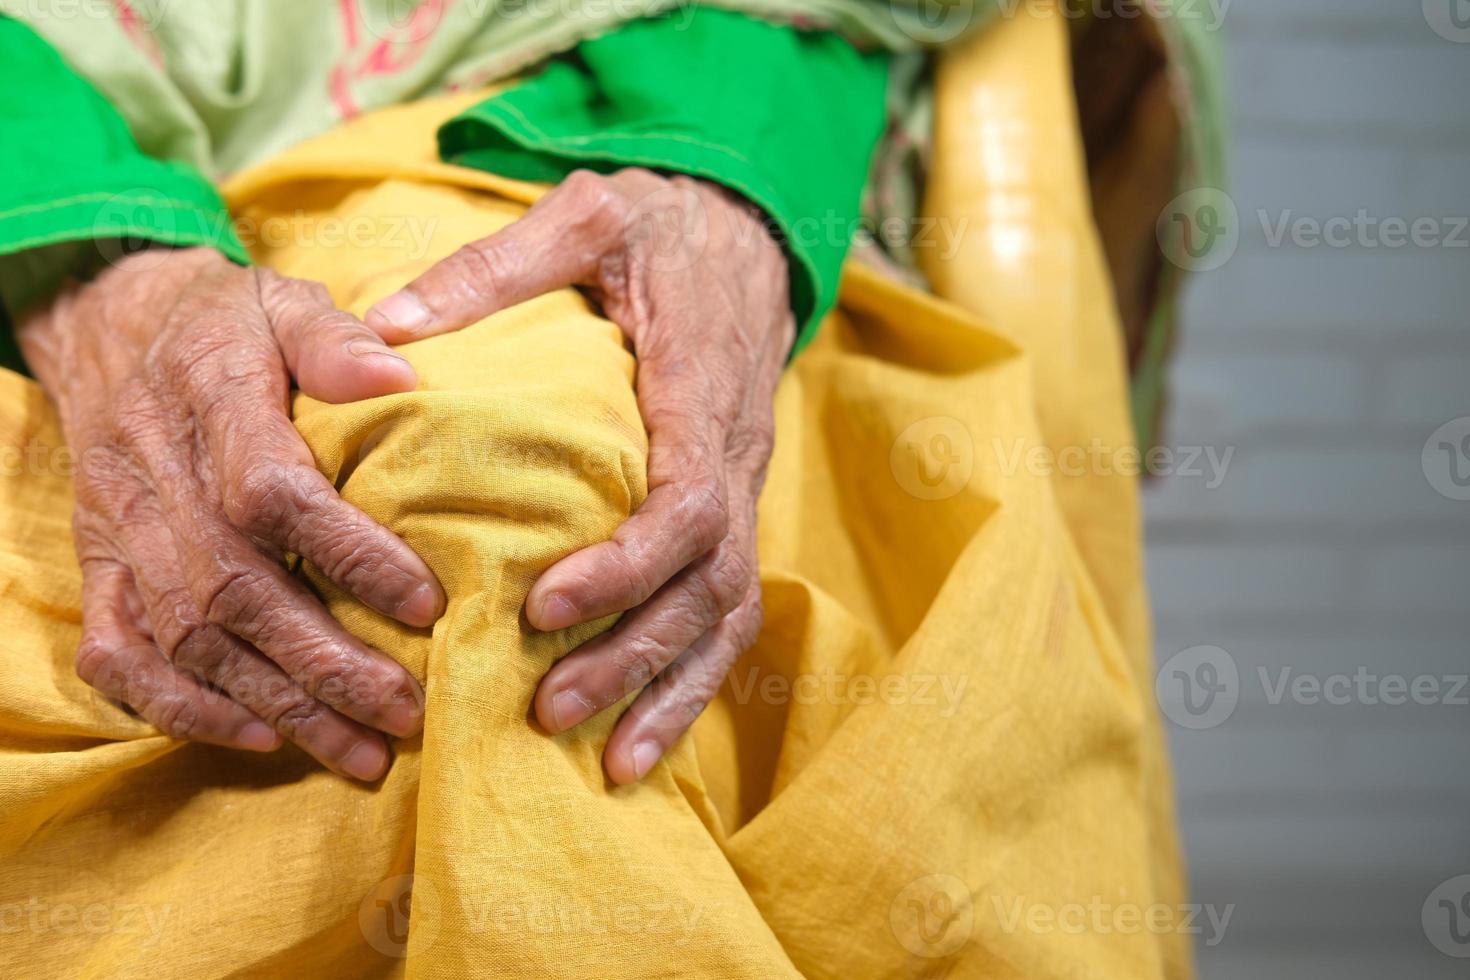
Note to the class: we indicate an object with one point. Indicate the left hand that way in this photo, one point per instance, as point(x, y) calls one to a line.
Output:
point(690, 274)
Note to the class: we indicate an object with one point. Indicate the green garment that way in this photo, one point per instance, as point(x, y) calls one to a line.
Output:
point(738, 101)
point(720, 96)
point(703, 94)
point(70, 173)
point(221, 84)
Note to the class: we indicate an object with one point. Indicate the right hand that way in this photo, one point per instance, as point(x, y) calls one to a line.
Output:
point(171, 371)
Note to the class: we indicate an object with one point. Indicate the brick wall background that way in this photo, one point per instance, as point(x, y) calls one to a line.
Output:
point(1326, 549)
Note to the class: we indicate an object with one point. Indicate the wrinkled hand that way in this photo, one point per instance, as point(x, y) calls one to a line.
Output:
point(689, 273)
point(171, 371)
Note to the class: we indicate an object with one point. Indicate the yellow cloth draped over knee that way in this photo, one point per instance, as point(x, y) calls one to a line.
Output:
point(938, 760)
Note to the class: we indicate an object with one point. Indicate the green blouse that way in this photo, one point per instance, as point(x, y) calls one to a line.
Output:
point(788, 118)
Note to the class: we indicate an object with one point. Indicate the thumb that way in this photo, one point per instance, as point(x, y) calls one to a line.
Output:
point(330, 353)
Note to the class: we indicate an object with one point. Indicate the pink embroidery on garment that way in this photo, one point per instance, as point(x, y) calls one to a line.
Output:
point(393, 52)
point(137, 32)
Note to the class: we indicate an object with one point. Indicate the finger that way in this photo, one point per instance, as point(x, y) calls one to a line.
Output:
point(668, 706)
point(252, 597)
point(272, 491)
point(292, 506)
point(238, 588)
point(684, 515)
point(246, 677)
point(559, 242)
point(232, 669)
point(330, 353)
point(120, 660)
point(608, 668)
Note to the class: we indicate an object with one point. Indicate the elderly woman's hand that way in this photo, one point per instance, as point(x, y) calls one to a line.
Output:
point(171, 371)
point(689, 273)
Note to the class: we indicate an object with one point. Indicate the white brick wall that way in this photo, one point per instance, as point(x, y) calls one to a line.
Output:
point(1325, 550)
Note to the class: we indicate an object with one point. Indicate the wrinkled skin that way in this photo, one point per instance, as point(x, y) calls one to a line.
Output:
point(689, 273)
point(171, 372)
point(172, 369)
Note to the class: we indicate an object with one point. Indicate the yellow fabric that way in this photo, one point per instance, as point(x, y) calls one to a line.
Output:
point(938, 750)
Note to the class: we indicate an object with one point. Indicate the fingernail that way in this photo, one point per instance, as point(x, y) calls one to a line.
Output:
point(366, 761)
point(403, 310)
point(555, 612)
point(364, 348)
point(420, 609)
point(569, 708)
point(644, 755)
point(403, 719)
point(257, 737)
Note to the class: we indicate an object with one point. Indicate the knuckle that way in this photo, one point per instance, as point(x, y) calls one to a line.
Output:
point(640, 659)
point(233, 594)
point(318, 323)
point(265, 493)
point(229, 668)
point(314, 292)
point(597, 197)
point(293, 716)
point(353, 562)
point(728, 581)
point(702, 505)
point(184, 638)
point(477, 271)
point(95, 659)
point(680, 694)
point(630, 573)
point(329, 675)
point(750, 621)
point(267, 279)
point(175, 715)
